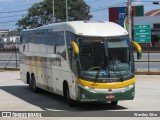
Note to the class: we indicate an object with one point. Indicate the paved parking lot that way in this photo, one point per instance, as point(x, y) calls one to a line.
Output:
point(16, 96)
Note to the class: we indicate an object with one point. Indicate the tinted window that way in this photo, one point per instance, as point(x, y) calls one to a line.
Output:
point(60, 44)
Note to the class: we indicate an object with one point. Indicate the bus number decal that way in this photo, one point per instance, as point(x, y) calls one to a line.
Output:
point(94, 84)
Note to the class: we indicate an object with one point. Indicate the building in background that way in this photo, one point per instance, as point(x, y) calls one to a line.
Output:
point(152, 18)
point(9, 39)
point(11, 42)
point(4, 32)
point(118, 14)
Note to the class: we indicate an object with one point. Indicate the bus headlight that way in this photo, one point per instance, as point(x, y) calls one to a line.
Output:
point(85, 87)
point(130, 86)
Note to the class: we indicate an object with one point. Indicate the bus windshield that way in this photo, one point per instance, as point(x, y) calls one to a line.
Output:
point(107, 57)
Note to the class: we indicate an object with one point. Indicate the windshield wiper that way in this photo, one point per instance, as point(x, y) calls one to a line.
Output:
point(97, 74)
point(119, 74)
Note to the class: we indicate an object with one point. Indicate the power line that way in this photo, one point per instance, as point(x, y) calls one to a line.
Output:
point(13, 11)
point(12, 16)
point(93, 1)
point(104, 8)
point(146, 1)
point(95, 10)
point(17, 6)
point(121, 3)
point(9, 25)
point(8, 22)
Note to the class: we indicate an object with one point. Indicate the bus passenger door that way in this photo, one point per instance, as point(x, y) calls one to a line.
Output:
point(73, 90)
point(73, 73)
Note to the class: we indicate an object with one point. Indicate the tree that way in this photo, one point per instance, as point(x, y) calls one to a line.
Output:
point(41, 13)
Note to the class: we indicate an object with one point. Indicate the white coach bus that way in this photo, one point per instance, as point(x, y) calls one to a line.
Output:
point(83, 61)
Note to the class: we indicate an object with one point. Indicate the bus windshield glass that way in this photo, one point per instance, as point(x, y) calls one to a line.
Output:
point(107, 57)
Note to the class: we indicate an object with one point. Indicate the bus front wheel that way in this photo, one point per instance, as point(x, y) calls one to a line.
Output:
point(67, 96)
point(114, 102)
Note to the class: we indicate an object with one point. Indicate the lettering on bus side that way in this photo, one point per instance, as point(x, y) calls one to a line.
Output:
point(56, 61)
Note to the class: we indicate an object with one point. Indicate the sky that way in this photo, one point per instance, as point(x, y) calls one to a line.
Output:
point(99, 9)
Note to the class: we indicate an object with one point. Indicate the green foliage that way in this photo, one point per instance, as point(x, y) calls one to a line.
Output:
point(41, 13)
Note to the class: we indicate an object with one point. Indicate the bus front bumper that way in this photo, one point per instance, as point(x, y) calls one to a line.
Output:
point(106, 95)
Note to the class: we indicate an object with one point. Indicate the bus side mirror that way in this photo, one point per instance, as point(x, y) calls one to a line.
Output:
point(75, 50)
point(138, 48)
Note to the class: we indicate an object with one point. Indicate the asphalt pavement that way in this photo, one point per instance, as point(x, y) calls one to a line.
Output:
point(16, 96)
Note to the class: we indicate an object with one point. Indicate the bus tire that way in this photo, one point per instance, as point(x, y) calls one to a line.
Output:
point(29, 81)
point(34, 87)
point(114, 103)
point(70, 102)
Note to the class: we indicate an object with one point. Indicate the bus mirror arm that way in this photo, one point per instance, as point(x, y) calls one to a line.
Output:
point(138, 48)
point(75, 50)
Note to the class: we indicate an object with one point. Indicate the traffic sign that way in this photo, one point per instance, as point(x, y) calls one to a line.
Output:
point(142, 33)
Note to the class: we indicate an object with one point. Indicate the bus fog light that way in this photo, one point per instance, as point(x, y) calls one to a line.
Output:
point(131, 86)
point(85, 87)
point(88, 88)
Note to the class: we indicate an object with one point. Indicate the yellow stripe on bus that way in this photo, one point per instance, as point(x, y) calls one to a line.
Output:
point(107, 85)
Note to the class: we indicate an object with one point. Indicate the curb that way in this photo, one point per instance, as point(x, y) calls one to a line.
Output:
point(147, 73)
point(10, 69)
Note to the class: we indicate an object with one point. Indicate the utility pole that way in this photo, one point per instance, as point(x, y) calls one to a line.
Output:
point(66, 10)
point(53, 12)
point(129, 19)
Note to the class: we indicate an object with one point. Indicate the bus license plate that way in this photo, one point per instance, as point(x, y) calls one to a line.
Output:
point(110, 97)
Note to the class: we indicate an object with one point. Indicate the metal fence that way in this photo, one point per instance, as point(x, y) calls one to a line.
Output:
point(149, 62)
point(9, 58)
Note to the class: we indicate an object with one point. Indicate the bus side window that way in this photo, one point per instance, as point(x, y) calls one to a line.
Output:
point(51, 42)
point(60, 44)
point(22, 42)
point(21, 39)
point(70, 36)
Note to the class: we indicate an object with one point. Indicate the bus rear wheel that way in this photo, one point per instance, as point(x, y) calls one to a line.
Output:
point(29, 82)
point(34, 87)
point(32, 84)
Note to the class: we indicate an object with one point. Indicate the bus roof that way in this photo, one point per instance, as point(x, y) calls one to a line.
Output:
point(86, 28)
